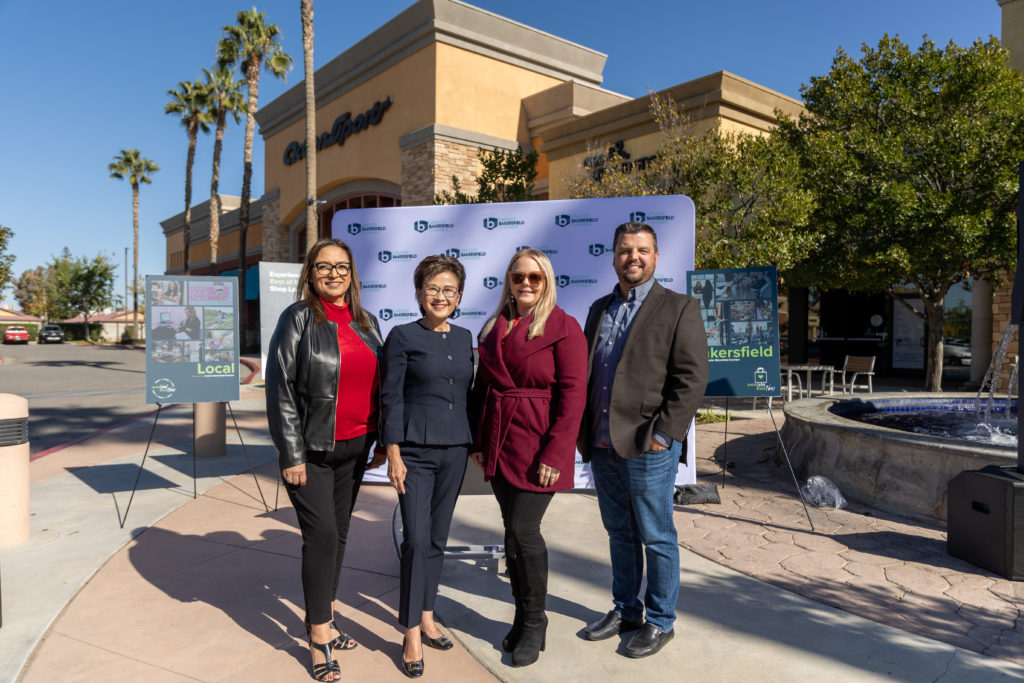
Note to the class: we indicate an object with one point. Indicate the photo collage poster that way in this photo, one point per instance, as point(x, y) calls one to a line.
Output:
point(192, 339)
point(740, 311)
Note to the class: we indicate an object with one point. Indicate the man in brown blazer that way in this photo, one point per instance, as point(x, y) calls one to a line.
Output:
point(648, 366)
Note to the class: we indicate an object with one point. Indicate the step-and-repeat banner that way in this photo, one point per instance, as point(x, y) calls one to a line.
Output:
point(740, 309)
point(191, 344)
point(575, 234)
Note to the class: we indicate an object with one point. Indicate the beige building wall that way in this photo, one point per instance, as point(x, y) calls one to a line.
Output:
point(370, 153)
point(1012, 36)
point(734, 104)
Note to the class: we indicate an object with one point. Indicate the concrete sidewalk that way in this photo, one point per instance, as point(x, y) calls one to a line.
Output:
point(209, 589)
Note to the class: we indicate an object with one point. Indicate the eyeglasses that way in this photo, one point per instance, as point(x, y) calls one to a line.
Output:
point(536, 279)
point(447, 292)
point(325, 269)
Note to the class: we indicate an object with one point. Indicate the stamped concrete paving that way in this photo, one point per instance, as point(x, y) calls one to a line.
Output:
point(890, 570)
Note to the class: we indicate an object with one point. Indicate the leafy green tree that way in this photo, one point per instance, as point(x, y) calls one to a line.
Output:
point(190, 103)
point(912, 157)
point(6, 257)
point(750, 208)
point(253, 44)
point(131, 165)
point(225, 99)
point(505, 176)
point(33, 291)
point(83, 285)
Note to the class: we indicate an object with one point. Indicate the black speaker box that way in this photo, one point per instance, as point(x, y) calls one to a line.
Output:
point(985, 519)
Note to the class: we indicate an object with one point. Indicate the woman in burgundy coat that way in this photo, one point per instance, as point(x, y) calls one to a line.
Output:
point(531, 387)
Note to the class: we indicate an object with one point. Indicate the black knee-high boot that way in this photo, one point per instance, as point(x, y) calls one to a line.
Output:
point(508, 644)
point(534, 590)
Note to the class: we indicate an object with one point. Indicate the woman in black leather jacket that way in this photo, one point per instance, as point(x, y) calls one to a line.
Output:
point(323, 370)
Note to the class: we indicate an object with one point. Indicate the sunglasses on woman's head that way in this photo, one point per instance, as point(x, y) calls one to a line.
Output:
point(534, 278)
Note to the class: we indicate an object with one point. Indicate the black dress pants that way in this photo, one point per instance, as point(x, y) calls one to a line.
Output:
point(324, 508)
point(433, 478)
point(521, 512)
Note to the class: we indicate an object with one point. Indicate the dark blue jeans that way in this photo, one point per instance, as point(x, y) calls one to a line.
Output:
point(635, 499)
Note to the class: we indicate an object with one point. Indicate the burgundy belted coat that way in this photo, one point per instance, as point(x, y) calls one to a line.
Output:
point(531, 394)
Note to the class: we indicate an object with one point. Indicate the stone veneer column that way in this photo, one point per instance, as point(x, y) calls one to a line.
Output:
point(428, 168)
point(432, 155)
point(275, 235)
point(1001, 311)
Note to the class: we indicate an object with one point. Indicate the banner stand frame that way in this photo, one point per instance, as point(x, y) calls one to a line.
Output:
point(149, 442)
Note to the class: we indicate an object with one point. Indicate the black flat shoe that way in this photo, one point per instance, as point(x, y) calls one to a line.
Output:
point(442, 642)
point(648, 641)
point(611, 624)
point(411, 669)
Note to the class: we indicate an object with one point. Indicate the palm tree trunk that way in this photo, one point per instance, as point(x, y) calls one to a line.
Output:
point(252, 80)
point(135, 262)
point(193, 132)
point(214, 180)
point(312, 227)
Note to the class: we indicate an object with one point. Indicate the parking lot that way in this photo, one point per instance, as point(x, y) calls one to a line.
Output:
point(74, 390)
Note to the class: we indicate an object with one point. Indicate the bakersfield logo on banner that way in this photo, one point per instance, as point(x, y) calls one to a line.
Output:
point(576, 235)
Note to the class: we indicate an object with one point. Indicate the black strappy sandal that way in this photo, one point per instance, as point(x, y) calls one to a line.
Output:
point(343, 642)
point(322, 672)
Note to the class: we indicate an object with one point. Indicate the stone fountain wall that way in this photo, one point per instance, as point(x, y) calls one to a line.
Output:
point(892, 470)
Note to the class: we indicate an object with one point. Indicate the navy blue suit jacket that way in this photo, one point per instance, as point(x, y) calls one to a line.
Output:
point(425, 384)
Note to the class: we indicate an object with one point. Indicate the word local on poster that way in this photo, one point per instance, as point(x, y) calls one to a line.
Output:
point(576, 235)
point(192, 340)
point(740, 310)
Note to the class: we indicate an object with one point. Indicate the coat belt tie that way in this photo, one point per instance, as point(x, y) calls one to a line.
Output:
point(502, 404)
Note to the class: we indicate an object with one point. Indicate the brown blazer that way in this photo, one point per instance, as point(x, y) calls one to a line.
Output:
point(659, 382)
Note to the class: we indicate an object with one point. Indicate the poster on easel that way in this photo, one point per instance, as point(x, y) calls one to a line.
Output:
point(192, 340)
point(740, 311)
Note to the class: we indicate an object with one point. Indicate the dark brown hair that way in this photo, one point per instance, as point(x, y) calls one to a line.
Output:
point(632, 228)
point(306, 293)
point(434, 265)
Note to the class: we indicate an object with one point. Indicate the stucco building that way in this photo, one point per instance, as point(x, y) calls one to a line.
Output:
point(411, 104)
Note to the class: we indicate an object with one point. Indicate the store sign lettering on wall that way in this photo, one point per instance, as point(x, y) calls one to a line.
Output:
point(616, 154)
point(344, 126)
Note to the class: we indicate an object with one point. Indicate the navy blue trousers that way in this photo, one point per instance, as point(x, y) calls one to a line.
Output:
point(433, 478)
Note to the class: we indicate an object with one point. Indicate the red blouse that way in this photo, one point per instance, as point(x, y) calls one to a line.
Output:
point(358, 379)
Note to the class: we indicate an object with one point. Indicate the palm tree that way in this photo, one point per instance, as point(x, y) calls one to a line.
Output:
point(189, 102)
point(251, 43)
point(312, 231)
point(136, 168)
point(225, 98)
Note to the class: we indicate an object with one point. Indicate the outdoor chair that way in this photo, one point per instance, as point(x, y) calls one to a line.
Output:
point(857, 366)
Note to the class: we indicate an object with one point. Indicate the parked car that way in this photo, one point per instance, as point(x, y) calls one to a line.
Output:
point(15, 334)
point(956, 352)
point(52, 333)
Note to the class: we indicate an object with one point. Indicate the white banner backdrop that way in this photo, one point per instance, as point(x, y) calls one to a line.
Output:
point(576, 234)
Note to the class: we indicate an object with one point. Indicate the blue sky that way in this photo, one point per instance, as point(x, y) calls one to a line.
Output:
point(85, 80)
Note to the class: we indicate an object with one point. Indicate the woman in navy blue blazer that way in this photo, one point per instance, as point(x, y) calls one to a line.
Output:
point(427, 375)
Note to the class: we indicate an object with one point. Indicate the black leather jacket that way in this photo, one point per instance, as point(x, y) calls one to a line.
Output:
point(302, 382)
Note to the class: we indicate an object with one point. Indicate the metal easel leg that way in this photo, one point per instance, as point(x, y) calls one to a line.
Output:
point(246, 452)
point(159, 407)
point(789, 464)
point(725, 443)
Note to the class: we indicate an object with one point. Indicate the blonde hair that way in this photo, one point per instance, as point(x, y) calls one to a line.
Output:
point(541, 310)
